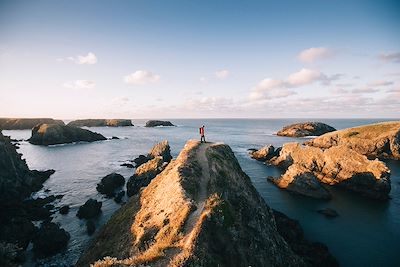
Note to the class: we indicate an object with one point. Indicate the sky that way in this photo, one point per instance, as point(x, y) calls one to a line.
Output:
point(200, 59)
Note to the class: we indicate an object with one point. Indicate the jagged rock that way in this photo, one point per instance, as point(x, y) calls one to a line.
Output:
point(141, 160)
point(380, 140)
point(90, 209)
point(110, 183)
point(23, 124)
point(155, 123)
point(52, 134)
point(313, 253)
point(305, 129)
point(328, 212)
point(264, 153)
point(90, 227)
point(161, 149)
point(50, 240)
point(100, 123)
point(144, 174)
point(299, 180)
point(337, 165)
point(115, 138)
point(64, 209)
point(205, 208)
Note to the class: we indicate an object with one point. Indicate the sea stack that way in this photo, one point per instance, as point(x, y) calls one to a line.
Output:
point(202, 210)
point(101, 123)
point(155, 123)
point(52, 134)
point(305, 129)
point(26, 123)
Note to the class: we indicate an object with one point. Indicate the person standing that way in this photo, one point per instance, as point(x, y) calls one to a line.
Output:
point(202, 136)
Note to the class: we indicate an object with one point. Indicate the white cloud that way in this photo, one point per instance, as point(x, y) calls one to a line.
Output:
point(89, 59)
point(365, 89)
point(381, 83)
point(305, 76)
point(314, 53)
point(390, 57)
point(222, 74)
point(141, 77)
point(80, 84)
point(270, 89)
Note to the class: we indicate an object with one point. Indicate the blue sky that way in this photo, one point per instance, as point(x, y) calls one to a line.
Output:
point(196, 59)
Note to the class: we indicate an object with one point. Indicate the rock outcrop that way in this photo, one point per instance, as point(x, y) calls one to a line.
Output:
point(380, 140)
point(110, 183)
point(265, 153)
point(100, 123)
point(154, 163)
point(90, 209)
point(155, 123)
point(52, 134)
point(202, 210)
point(305, 129)
point(49, 240)
point(338, 165)
point(23, 124)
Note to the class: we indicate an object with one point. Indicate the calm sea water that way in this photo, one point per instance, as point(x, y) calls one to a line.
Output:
point(367, 232)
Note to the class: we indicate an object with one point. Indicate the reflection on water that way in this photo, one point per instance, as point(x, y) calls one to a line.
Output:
point(366, 233)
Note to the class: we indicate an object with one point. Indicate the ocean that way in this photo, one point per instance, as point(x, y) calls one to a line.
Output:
point(366, 232)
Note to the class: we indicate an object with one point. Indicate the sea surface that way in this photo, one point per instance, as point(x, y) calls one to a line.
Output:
point(366, 233)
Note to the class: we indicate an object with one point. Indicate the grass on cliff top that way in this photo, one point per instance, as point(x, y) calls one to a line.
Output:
point(371, 131)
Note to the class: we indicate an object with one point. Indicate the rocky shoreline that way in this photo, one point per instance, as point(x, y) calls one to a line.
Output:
point(25, 123)
point(101, 123)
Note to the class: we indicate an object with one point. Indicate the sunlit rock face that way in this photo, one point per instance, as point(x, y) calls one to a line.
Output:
point(201, 210)
point(305, 129)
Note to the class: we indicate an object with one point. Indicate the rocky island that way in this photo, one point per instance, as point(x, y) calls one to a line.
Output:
point(305, 129)
point(52, 134)
point(26, 123)
point(100, 123)
point(201, 210)
point(155, 123)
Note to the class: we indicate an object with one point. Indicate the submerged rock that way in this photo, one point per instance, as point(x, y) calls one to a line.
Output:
point(90, 209)
point(328, 212)
point(155, 123)
point(100, 123)
point(52, 134)
point(64, 209)
point(380, 140)
point(336, 166)
point(50, 240)
point(90, 227)
point(305, 129)
point(205, 208)
point(119, 196)
point(24, 124)
point(110, 183)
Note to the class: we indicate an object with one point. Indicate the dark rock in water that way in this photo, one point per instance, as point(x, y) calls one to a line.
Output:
point(50, 240)
point(90, 209)
point(11, 255)
point(64, 209)
point(90, 227)
point(305, 129)
point(313, 253)
point(39, 209)
point(41, 177)
point(155, 123)
point(110, 183)
point(128, 165)
point(20, 231)
point(49, 207)
point(24, 124)
point(101, 123)
point(140, 160)
point(114, 138)
point(119, 196)
point(52, 134)
point(328, 212)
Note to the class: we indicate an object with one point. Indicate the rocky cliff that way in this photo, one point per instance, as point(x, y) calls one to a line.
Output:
point(21, 124)
point(305, 129)
point(380, 140)
point(52, 134)
point(155, 123)
point(101, 122)
point(202, 210)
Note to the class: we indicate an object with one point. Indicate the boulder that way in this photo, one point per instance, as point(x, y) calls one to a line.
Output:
point(52, 134)
point(161, 149)
point(155, 123)
point(64, 210)
point(24, 124)
point(264, 153)
point(50, 240)
point(380, 140)
point(335, 166)
point(328, 212)
point(100, 123)
point(90, 209)
point(90, 227)
point(110, 183)
point(140, 160)
point(305, 129)
point(128, 165)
